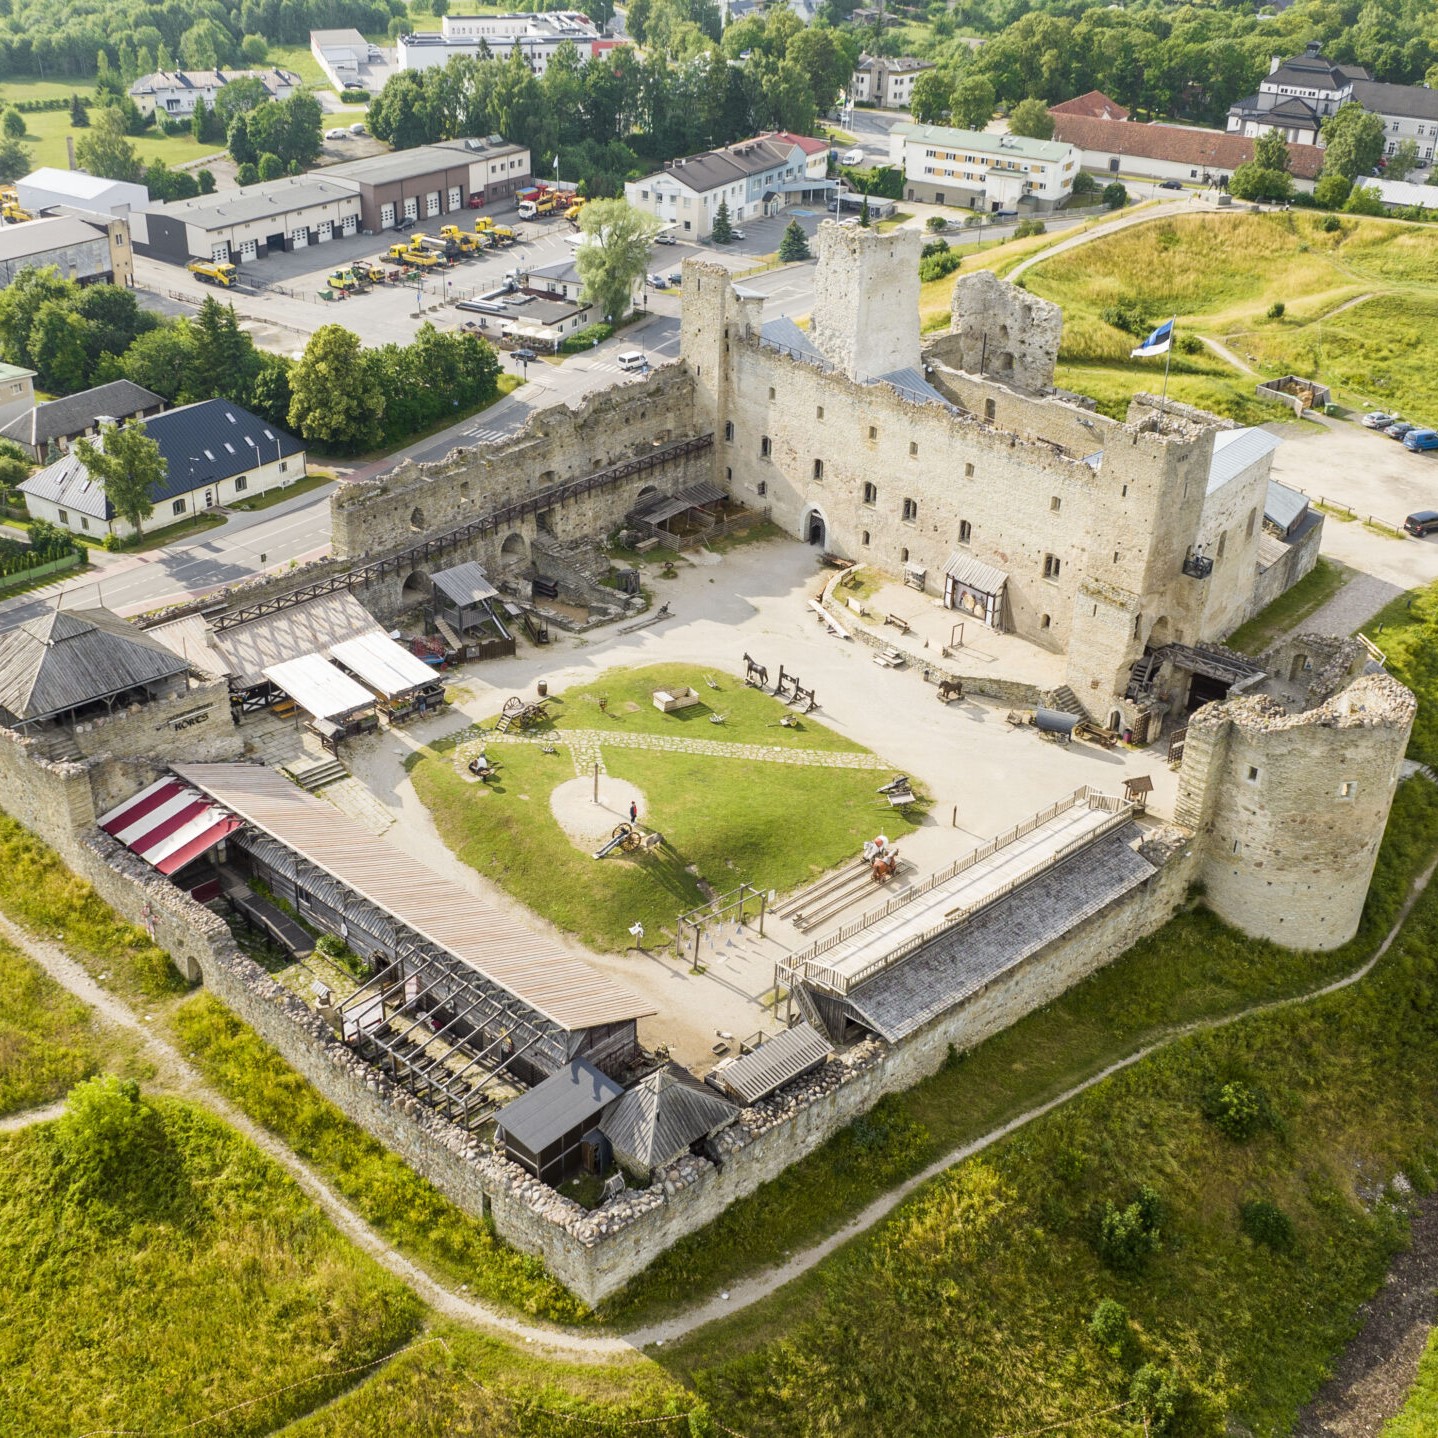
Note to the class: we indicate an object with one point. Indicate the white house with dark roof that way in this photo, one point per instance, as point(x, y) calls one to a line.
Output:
point(175, 92)
point(214, 453)
point(885, 81)
point(980, 171)
point(753, 178)
point(59, 422)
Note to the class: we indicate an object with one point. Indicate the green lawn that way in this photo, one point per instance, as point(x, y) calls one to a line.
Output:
point(156, 1268)
point(1406, 630)
point(47, 1042)
point(1220, 274)
point(1195, 967)
point(1419, 1418)
point(47, 130)
point(316, 479)
point(1287, 613)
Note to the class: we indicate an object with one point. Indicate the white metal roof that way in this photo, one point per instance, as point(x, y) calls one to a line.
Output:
point(1235, 450)
point(533, 968)
point(388, 668)
point(317, 686)
point(976, 574)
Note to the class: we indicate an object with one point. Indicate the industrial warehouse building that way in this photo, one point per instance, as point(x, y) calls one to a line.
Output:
point(88, 252)
point(357, 196)
point(244, 225)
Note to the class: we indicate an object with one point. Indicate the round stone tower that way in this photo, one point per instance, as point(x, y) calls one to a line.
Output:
point(1290, 808)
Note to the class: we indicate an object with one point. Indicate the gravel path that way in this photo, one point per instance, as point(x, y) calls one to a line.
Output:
point(187, 1081)
point(1352, 607)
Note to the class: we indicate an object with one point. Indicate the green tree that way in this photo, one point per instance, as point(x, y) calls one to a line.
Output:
point(223, 363)
point(12, 124)
point(1352, 141)
point(271, 167)
point(14, 160)
point(1332, 189)
point(241, 147)
point(239, 96)
point(200, 121)
point(613, 254)
point(20, 304)
point(104, 1135)
point(270, 394)
point(1270, 151)
point(246, 174)
point(15, 466)
point(795, 244)
point(205, 179)
point(106, 149)
point(129, 466)
point(1403, 161)
point(161, 360)
point(1031, 118)
point(1115, 196)
point(1253, 182)
point(864, 212)
point(972, 103)
point(1364, 200)
point(723, 231)
point(205, 46)
point(931, 96)
point(79, 115)
point(334, 398)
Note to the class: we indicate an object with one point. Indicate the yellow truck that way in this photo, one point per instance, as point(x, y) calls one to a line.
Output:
point(417, 256)
point(214, 272)
point(13, 213)
point(496, 234)
point(532, 209)
point(445, 249)
point(468, 244)
point(572, 213)
point(350, 280)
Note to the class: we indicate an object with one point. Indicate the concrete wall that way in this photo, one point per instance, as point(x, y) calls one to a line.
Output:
point(86, 262)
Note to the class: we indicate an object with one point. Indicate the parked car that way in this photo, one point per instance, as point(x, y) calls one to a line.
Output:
point(1419, 439)
point(1170, 185)
point(405, 222)
point(1397, 431)
point(358, 129)
point(665, 238)
point(658, 282)
point(1425, 521)
point(1378, 419)
point(675, 278)
point(740, 235)
point(337, 134)
point(524, 356)
point(852, 157)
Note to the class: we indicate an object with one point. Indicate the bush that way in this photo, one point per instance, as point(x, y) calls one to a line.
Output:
point(1127, 315)
point(1267, 1224)
point(1085, 184)
point(1109, 1326)
point(1128, 1236)
point(1154, 1395)
point(355, 97)
point(1277, 309)
point(944, 262)
point(246, 174)
point(1236, 1109)
point(586, 339)
point(1115, 196)
point(933, 247)
point(1189, 345)
point(1030, 227)
point(936, 224)
point(1329, 224)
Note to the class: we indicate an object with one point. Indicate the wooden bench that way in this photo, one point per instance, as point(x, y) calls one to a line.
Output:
point(902, 625)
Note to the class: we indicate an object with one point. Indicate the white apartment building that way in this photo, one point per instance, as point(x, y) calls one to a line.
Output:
point(887, 83)
point(537, 36)
point(979, 171)
point(174, 92)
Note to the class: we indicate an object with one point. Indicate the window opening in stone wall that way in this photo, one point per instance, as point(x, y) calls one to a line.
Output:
point(913, 447)
point(1252, 775)
point(764, 447)
point(911, 509)
point(819, 412)
point(1237, 847)
point(871, 493)
point(1044, 621)
point(464, 489)
point(416, 518)
point(1055, 504)
point(1348, 788)
point(1248, 532)
point(1137, 625)
point(763, 488)
point(729, 429)
point(818, 469)
point(729, 475)
point(989, 410)
point(771, 391)
point(968, 471)
point(903, 556)
point(873, 431)
point(1222, 544)
point(966, 531)
point(866, 539)
point(1052, 565)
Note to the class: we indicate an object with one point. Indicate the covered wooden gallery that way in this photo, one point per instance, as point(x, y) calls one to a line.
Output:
point(463, 997)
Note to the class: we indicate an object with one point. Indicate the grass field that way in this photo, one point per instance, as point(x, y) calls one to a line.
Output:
point(1291, 608)
point(1419, 1418)
point(1406, 630)
point(723, 819)
point(47, 130)
point(1221, 274)
point(157, 1268)
point(47, 1042)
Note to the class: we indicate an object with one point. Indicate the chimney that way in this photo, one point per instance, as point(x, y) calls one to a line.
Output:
point(70, 148)
point(1274, 62)
point(1313, 47)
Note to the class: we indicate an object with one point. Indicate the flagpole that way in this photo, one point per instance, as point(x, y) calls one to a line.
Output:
point(1167, 358)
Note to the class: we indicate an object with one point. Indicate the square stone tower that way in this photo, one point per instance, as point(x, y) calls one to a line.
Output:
point(866, 299)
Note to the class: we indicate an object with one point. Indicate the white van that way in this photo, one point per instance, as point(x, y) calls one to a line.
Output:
point(852, 157)
point(632, 360)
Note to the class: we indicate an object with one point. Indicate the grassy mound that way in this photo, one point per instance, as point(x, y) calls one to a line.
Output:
point(46, 1041)
point(156, 1268)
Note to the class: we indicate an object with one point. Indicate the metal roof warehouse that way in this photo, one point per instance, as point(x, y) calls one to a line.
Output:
point(447, 963)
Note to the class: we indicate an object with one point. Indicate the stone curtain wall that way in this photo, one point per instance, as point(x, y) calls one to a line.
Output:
point(375, 517)
point(196, 722)
point(596, 1253)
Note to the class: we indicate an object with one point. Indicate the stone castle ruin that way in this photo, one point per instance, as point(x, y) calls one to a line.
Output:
point(1127, 550)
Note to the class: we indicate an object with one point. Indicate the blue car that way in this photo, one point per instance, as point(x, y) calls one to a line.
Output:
point(1417, 439)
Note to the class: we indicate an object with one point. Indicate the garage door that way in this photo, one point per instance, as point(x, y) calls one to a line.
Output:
point(326, 230)
point(349, 225)
point(431, 204)
point(411, 209)
point(220, 253)
point(299, 239)
point(249, 250)
point(456, 197)
point(386, 217)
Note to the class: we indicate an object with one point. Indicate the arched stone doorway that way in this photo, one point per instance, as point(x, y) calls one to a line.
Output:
point(416, 589)
point(514, 550)
point(814, 528)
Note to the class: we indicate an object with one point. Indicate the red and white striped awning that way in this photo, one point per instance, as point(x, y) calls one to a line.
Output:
point(169, 824)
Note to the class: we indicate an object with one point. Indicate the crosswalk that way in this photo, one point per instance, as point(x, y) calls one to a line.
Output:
point(485, 436)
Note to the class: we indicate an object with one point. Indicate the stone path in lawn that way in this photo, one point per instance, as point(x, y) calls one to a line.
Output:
point(585, 747)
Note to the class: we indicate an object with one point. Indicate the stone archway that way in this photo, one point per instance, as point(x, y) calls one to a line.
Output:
point(814, 527)
point(416, 589)
point(515, 549)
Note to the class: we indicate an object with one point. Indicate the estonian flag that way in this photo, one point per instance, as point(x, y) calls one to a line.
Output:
point(1157, 343)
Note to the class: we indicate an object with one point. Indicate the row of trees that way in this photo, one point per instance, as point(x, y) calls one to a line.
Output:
point(609, 119)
